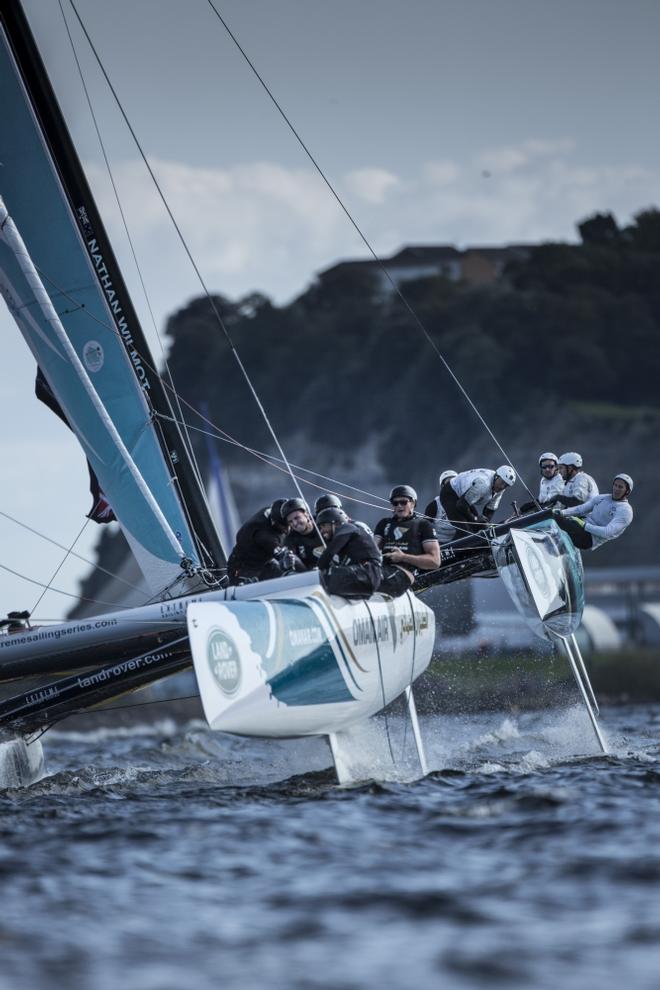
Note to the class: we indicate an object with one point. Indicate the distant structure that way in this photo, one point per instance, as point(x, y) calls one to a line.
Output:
point(474, 265)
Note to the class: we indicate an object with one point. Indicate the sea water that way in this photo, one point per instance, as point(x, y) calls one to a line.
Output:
point(167, 856)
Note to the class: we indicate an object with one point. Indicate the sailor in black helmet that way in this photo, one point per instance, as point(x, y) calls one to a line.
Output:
point(408, 542)
point(351, 563)
point(303, 538)
point(327, 501)
point(332, 502)
point(258, 544)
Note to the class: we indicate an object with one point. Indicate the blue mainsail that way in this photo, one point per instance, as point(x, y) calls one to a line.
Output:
point(56, 218)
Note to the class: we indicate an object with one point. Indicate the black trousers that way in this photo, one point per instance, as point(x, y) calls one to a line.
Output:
point(352, 580)
point(581, 539)
point(395, 581)
point(450, 500)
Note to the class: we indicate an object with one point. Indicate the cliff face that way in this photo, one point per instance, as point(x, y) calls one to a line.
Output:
point(562, 353)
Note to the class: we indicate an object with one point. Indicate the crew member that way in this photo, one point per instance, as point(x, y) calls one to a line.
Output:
point(550, 486)
point(351, 564)
point(409, 542)
point(435, 510)
point(579, 486)
point(332, 502)
point(600, 518)
point(472, 497)
point(259, 542)
point(326, 501)
point(303, 538)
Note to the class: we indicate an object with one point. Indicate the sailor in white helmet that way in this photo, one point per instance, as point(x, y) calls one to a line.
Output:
point(578, 485)
point(472, 497)
point(435, 511)
point(551, 484)
point(601, 518)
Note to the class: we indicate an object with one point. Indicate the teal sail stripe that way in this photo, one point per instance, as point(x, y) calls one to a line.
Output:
point(74, 272)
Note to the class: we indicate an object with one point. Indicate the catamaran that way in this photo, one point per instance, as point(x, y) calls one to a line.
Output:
point(276, 658)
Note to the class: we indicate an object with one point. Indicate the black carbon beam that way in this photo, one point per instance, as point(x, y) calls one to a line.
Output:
point(42, 706)
point(472, 554)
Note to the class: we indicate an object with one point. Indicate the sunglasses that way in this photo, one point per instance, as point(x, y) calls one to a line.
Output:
point(546, 467)
point(401, 501)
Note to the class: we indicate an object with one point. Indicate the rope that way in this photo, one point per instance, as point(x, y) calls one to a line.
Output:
point(395, 288)
point(59, 567)
point(72, 553)
point(58, 591)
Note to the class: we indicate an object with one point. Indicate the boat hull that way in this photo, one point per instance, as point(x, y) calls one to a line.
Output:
point(305, 663)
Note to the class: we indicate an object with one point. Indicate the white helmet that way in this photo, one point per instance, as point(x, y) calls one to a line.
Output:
point(625, 477)
point(571, 459)
point(445, 476)
point(507, 474)
point(548, 456)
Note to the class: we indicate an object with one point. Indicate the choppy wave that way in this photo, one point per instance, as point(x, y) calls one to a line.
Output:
point(173, 856)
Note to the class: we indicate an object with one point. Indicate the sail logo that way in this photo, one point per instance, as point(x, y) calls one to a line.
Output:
point(93, 356)
point(224, 662)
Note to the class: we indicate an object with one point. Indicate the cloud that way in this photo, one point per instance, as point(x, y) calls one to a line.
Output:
point(263, 226)
point(371, 184)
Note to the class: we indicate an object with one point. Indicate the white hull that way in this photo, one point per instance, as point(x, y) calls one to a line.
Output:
point(302, 662)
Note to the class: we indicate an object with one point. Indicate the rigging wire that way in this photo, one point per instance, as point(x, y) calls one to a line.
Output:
point(59, 567)
point(72, 553)
point(58, 591)
point(218, 316)
point(219, 433)
point(395, 288)
point(181, 421)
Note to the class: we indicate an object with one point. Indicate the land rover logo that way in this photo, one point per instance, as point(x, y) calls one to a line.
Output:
point(538, 570)
point(93, 355)
point(224, 662)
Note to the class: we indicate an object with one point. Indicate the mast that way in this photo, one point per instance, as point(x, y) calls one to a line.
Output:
point(87, 219)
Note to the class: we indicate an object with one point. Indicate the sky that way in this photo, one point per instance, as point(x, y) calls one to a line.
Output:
point(479, 122)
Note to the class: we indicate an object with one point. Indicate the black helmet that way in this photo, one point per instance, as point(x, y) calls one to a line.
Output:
point(326, 502)
point(276, 511)
point(331, 515)
point(294, 505)
point(403, 491)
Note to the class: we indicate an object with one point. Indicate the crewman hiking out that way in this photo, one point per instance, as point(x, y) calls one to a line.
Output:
point(409, 542)
point(579, 486)
point(435, 510)
point(601, 518)
point(472, 497)
point(350, 565)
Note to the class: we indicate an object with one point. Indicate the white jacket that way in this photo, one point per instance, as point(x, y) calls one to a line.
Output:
point(549, 488)
point(607, 517)
point(582, 487)
point(476, 487)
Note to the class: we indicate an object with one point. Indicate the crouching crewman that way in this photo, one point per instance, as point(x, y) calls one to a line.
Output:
point(351, 564)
